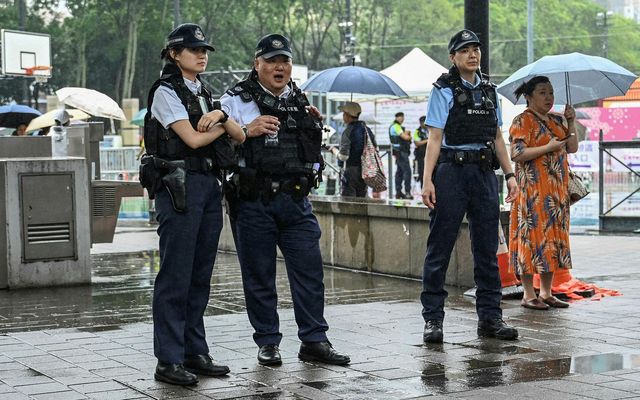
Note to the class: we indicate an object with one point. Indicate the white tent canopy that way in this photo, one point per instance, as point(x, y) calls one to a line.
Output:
point(415, 72)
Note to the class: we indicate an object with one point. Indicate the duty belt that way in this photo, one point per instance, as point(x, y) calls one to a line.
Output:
point(199, 164)
point(466, 156)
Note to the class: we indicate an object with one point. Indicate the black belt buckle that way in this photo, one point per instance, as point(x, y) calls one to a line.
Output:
point(207, 164)
point(459, 157)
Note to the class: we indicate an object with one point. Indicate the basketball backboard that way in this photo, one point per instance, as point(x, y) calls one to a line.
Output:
point(26, 53)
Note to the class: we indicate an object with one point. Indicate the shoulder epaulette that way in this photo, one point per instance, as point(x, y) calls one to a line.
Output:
point(241, 89)
point(165, 83)
point(443, 81)
point(236, 90)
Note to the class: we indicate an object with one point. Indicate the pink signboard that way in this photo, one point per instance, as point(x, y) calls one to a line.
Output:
point(617, 124)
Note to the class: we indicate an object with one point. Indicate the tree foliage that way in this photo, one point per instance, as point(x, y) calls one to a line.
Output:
point(114, 45)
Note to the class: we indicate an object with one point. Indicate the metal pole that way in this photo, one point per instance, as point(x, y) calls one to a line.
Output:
point(22, 17)
point(476, 18)
point(529, 31)
point(606, 35)
point(600, 181)
point(177, 18)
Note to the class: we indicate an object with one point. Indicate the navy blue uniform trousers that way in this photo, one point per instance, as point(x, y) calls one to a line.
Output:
point(291, 226)
point(463, 189)
point(403, 173)
point(188, 246)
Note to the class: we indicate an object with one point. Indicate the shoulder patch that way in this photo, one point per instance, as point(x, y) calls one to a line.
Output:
point(234, 91)
point(246, 97)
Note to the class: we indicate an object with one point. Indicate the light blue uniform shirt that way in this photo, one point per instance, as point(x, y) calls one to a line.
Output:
point(244, 113)
point(167, 107)
point(440, 102)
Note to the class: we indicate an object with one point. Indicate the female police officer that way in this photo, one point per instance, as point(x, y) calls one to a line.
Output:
point(465, 145)
point(186, 139)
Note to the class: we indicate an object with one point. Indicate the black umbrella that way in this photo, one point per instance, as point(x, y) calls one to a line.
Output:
point(12, 115)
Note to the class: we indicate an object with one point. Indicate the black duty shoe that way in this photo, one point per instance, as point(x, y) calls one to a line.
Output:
point(497, 328)
point(175, 374)
point(400, 196)
point(203, 364)
point(269, 354)
point(323, 352)
point(432, 331)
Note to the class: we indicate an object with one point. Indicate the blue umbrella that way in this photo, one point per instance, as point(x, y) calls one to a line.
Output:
point(575, 77)
point(138, 118)
point(12, 115)
point(352, 79)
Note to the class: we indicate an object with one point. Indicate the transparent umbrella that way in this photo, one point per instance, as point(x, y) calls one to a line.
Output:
point(91, 102)
point(575, 77)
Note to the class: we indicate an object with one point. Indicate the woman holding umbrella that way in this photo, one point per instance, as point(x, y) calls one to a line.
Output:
point(539, 226)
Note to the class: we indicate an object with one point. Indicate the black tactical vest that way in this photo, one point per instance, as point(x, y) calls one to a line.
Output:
point(165, 143)
point(299, 140)
point(473, 118)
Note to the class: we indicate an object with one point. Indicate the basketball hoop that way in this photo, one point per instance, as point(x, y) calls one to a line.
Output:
point(41, 77)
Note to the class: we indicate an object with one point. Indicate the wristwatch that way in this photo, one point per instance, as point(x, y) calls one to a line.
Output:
point(245, 130)
point(224, 118)
point(509, 176)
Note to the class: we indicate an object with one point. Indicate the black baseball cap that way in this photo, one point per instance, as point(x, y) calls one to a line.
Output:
point(461, 39)
point(188, 35)
point(273, 45)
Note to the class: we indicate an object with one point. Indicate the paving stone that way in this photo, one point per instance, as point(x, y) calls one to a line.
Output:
point(14, 396)
point(42, 388)
point(67, 395)
point(627, 385)
point(123, 394)
point(609, 394)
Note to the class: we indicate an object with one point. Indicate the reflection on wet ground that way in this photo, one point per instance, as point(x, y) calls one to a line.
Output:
point(376, 320)
point(122, 289)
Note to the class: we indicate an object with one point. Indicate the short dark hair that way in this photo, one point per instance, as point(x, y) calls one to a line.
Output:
point(529, 86)
point(421, 119)
point(399, 114)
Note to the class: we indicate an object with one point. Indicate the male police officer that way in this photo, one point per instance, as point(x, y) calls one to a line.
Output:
point(400, 139)
point(420, 138)
point(465, 145)
point(281, 162)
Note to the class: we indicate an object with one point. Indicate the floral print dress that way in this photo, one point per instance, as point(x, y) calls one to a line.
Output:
point(539, 224)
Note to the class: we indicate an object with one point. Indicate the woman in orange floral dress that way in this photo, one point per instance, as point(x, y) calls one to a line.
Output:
point(539, 226)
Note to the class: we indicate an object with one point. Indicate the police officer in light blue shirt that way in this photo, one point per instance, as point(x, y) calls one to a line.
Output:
point(465, 146)
point(187, 144)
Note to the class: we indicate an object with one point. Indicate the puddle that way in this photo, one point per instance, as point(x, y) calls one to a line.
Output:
point(599, 363)
point(474, 373)
point(122, 290)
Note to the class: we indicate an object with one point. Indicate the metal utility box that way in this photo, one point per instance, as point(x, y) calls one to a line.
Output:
point(48, 223)
point(25, 146)
point(44, 207)
point(84, 141)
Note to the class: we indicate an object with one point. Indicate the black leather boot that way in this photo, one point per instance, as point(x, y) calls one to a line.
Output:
point(269, 354)
point(432, 331)
point(323, 352)
point(497, 328)
point(174, 374)
point(203, 365)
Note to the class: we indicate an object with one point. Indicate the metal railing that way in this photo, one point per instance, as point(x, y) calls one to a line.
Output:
point(607, 147)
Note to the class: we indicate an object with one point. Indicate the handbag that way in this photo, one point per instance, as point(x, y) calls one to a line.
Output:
point(577, 189)
point(372, 172)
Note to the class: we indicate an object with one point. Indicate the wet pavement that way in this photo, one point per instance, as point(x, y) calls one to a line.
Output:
point(96, 341)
